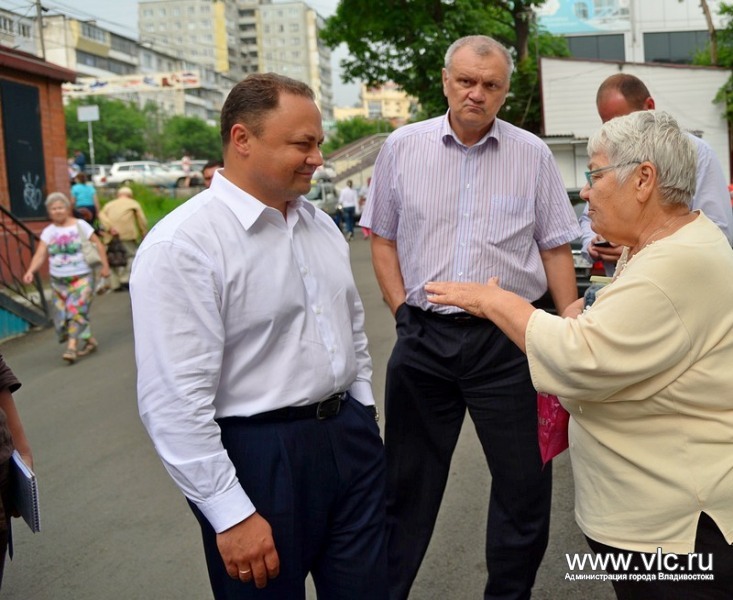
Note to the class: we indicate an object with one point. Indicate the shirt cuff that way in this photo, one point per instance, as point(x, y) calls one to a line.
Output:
point(227, 509)
point(362, 392)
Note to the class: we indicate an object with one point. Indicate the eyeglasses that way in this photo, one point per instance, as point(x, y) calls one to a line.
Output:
point(589, 174)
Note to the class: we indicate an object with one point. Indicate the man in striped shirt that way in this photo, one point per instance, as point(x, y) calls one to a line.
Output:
point(465, 197)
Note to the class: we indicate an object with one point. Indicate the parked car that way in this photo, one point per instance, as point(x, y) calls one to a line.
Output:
point(145, 172)
point(197, 167)
point(98, 174)
point(323, 195)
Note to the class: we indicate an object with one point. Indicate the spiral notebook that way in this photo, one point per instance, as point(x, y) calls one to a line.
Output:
point(25, 492)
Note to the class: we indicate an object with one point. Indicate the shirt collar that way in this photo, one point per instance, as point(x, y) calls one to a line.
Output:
point(246, 207)
point(446, 132)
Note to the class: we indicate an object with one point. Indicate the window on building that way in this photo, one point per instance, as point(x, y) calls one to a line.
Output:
point(148, 12)
point(294, 27)
point(674, 46)
point(161, 12)
point(375, 109)
point(605, 47)
point(295, 41)
point(581, 10)
point(123, 45)
point(24, 30)
point(91, 32)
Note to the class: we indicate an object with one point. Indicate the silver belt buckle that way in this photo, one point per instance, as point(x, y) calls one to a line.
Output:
point(329, 407)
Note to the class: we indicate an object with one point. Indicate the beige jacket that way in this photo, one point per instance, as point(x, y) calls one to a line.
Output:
point(126, 216)
point(647, 376)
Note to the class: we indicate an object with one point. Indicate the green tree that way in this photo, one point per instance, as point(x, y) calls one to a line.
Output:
point(723, 54)
point(118, 135)
point(192, 135)
point(350, 130)
point(405, 41)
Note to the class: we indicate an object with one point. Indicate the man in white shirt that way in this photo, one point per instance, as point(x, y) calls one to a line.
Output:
point(348, 199)
point(619, 95)
point(254, 378)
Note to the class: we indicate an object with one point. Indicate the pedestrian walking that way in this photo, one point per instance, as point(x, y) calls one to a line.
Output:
point(72, 277)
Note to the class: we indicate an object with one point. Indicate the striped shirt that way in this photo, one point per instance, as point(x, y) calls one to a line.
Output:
point(463, 213)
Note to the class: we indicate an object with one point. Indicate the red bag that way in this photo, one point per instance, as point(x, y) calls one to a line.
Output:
point(552, 426)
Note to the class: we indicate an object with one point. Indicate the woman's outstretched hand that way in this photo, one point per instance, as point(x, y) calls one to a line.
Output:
point(474, 298)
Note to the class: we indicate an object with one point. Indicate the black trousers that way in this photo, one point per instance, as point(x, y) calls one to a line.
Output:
point(320, 485)
point(714, 553)
point(439, 368)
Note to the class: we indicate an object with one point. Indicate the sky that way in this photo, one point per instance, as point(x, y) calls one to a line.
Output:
point(120, 16)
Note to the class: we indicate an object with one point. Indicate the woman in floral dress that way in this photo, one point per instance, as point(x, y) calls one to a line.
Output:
point(72, 279)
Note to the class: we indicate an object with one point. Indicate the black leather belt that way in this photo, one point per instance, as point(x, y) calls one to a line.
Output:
point(455, 317)
point(325, 409)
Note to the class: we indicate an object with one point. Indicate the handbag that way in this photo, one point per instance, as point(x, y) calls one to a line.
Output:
point(552, 426)
point(116, 252)
point(88, 249)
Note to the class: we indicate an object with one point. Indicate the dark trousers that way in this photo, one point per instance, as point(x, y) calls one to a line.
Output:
point(708, 540)
point(320, 485)
point(439, 368)
point(349, 218)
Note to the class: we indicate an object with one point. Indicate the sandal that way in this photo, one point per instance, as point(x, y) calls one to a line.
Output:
point(90, 346)
point(69, 356)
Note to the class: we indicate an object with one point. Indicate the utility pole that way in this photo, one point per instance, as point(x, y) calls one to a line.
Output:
point(39, 20)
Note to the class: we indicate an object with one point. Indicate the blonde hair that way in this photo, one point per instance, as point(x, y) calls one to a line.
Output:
point(57, 197)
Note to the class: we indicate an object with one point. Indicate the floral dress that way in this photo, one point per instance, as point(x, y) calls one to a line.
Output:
point(71, 279)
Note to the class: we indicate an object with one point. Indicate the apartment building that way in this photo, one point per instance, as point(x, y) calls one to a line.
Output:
point(17, 31)
point(116, 66)
point(289, 44)
point(387, 101)
point(199, 31)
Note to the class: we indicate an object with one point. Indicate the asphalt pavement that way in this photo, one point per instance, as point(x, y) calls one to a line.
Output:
point(114, 526)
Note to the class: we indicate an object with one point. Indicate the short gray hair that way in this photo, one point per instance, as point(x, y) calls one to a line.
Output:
point(57, 197)
point(483, 45)
point(654, 136)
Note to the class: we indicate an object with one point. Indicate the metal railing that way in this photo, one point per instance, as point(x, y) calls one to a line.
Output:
point(17, 246)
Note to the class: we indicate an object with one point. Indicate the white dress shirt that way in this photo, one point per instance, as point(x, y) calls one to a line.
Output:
point(349, 197)
point(236, 312)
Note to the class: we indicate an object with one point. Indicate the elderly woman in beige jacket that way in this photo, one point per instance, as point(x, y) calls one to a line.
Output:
point(646, 372)
point(124, 217)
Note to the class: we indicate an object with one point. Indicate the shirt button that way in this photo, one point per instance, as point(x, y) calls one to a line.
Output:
point(304, 270)
point(318, 310)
